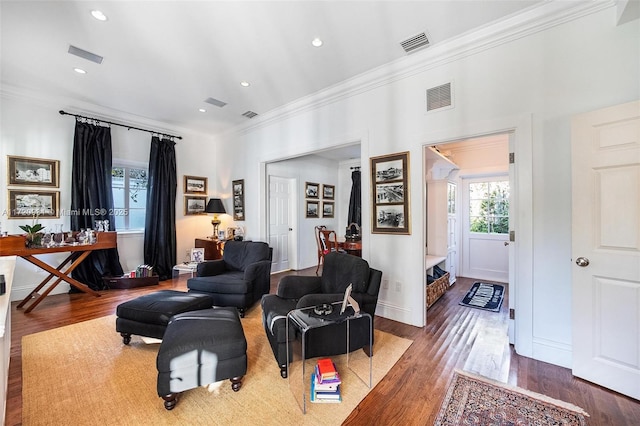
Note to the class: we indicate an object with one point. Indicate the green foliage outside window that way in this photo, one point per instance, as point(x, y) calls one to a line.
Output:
point(489, 207)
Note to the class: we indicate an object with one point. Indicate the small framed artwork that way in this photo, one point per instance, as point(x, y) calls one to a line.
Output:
point(194, 205)
point(43, 204)
point(328, 192)
point(311, 190)
point(33, 171)
point(238, 199)
point(195, 185)
point(327, 209)
point(390, 194)
point(197, 254)
point(312, 209)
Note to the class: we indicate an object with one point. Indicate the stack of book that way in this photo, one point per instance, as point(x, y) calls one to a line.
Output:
point(142, 271)
point(325, 382)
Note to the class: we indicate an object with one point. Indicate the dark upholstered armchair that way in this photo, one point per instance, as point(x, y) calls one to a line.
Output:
point(339, 270)
point(239, 279)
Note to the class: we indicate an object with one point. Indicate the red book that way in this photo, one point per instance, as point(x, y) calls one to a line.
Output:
point(327, 369)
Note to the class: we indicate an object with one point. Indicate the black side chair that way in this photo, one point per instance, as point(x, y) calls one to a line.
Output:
point(340, 269)
point(239, 279)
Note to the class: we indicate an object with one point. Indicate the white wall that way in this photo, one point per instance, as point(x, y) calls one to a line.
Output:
point(541, 79)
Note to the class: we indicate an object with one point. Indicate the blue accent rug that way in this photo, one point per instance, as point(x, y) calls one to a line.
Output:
point(484, 296)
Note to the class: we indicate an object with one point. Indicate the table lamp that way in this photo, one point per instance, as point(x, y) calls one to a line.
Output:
point(216, 207)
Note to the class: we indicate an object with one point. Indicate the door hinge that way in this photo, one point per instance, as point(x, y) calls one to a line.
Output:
point(512, 236)
point(512, 314)
point(512, 157)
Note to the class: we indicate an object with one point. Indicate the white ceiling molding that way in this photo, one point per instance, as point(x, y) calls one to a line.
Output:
point(533, 20)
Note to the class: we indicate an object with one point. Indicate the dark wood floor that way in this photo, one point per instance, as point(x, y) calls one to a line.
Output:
point(409, 394)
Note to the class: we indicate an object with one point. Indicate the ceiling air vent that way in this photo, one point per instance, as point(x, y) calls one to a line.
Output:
point(215, 102)
point(414, 43)
point(250, 114)
point(439, 97)
point(85, 55)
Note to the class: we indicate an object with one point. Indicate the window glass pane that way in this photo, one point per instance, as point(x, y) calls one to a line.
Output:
point(136, 218)
point(120, 222)
point(489, 207)
point(118, 197)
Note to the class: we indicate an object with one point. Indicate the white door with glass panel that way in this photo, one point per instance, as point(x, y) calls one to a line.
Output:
point(605, 156)
point(485, 251)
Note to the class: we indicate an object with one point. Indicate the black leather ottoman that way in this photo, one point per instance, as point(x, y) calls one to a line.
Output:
point(149, 315)
point(200, 348)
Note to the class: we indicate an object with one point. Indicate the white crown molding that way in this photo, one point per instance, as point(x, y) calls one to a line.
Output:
point(533, 20)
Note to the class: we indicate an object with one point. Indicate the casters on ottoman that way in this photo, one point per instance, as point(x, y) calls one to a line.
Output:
point(199, 348)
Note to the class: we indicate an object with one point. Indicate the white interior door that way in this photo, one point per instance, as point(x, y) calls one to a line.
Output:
point(281, 238)
point(485, 255)
point(605, 154)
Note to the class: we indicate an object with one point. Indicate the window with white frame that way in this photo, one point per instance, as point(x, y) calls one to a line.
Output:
point(489, 207)
point(129, 188)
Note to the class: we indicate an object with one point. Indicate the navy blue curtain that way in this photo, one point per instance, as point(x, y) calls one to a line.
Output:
point(355, 202)
point(160, 220)
point(92, 199)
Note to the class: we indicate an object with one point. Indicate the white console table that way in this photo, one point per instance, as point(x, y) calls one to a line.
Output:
point(7, 265)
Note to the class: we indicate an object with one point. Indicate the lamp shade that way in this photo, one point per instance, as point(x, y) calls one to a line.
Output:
point(215, 206)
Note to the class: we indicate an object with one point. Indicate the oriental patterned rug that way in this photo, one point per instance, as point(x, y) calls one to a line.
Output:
point(476, 400)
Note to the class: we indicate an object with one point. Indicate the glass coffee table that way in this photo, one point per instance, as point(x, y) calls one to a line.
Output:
point(305, 319)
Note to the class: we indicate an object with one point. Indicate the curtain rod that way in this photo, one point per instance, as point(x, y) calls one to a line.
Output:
point(118, 124)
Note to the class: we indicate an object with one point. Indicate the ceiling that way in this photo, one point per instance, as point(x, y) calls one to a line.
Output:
point(162, 59)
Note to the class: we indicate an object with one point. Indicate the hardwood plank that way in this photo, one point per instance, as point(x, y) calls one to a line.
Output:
point(412, 391)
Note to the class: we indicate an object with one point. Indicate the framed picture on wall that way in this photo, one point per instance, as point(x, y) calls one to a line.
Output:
point(28, 204)
point(195, 185)
point(311, 190)
point(33, 171)
point(327, 209)
point(390, 194)
point(194, 205)
point(312, 209)
point(328, 192)
point(238, 199)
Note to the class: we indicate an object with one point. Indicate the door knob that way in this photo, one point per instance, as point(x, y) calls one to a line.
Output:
point(582, 261)
point(506, 243)
point(290, 229)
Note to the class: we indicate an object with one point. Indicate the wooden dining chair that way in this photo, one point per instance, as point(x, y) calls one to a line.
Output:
point(327, 241)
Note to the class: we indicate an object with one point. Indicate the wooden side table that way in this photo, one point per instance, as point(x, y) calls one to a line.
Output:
point(212, 248)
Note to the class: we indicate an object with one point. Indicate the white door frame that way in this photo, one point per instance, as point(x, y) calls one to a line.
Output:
point(521, 251)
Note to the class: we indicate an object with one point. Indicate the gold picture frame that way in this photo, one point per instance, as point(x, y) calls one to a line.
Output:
point(27, 171)
point(194, 205)
point(29, 204)
point(195, 185)
point(390, 194)
point(328, 192)
point(313, 209)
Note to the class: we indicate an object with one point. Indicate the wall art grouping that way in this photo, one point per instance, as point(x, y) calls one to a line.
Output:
point(33, 172)
point(390, 194)
point(314, 208)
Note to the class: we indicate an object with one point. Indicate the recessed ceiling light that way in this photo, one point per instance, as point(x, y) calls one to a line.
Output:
point(202, 110)
point(99, 15)
point(316, 42)
point(79, 70)
point(245, 84)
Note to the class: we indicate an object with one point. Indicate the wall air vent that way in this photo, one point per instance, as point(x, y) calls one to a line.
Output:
point(439, 97)
point(215, 102)
point(416, 42)
point(250, 114)
point(85, 55)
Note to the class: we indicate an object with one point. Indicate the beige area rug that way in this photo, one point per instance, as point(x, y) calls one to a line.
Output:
point(476, 400)
point(82, 374)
